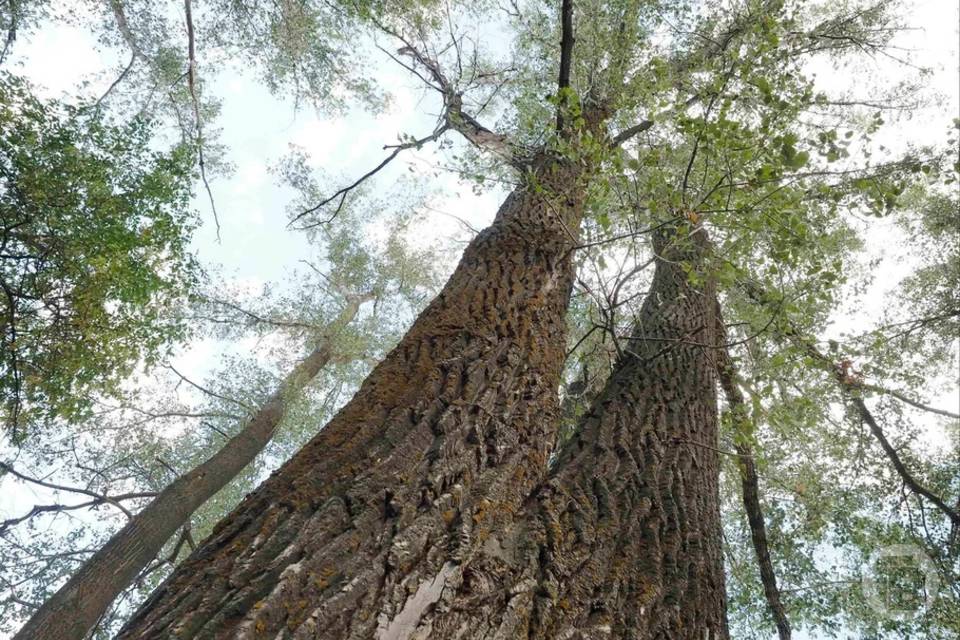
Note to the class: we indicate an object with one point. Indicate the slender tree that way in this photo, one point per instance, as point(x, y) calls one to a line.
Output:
point(395, 277)
point(77, 606)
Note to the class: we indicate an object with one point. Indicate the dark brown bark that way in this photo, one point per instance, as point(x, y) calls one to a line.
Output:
point(750, 485)
point(75, 608)
point(566, 57)
point(623, 540)
point(439, 447)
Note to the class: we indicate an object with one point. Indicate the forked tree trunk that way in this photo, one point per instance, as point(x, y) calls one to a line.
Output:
point(439, 447)
point(75, 608)
point(624, 539)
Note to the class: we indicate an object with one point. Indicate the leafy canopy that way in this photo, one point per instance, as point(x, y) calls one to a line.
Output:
point(94, 260)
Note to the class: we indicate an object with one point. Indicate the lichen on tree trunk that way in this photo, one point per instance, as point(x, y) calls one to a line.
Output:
point(623, 540)
point(353, 536)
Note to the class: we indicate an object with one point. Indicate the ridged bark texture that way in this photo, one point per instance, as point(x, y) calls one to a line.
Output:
point(624, 538)
point(441, 444)
point(77, 606)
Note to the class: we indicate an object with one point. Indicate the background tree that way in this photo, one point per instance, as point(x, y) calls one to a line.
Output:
point(94, 254)
point(339, 336)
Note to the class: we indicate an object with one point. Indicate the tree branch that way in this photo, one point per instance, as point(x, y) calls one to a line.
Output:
point(210, 392)
point(256, 318)
point(117, 81)
point(342, 193)
point(191, 84)
point(454, 116)
point(49, 485)
point(630, 132)
point(566, 55)
point(913, 403)
point(97, 498)
point(750, 484)
point(853, 389)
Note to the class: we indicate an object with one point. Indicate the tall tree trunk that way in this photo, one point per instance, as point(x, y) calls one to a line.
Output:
point(440, 445)
point(744, 433)
point(623, 539)
point(73, 610)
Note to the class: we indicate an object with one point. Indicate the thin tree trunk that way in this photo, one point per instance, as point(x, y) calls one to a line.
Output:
point(75, 608)
point(623, 539)
point(440, 445)
point(750, 484)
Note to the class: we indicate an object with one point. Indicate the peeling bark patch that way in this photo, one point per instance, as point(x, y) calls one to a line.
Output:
point(428, 593)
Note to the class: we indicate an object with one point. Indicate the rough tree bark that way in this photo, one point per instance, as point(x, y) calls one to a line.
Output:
point(442, 443)
point(75, 608)
point(623, 539)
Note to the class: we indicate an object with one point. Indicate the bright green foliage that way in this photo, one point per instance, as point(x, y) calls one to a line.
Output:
point(93, 257)
point(783, 178)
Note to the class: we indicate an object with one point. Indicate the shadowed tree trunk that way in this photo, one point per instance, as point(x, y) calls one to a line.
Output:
point(440, 446)
point(73, 610)
point(623, 539)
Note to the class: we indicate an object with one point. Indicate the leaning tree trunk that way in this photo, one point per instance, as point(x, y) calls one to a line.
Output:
point(442, 442)
point(623, 540)
point(75, 608)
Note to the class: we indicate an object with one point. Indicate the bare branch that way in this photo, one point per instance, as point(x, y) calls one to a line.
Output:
point(191, 84)
point(913, 403)
point(287, 324)
point(101, 498)
point(454, 116)
point(209, 392)
point(58, 508)
point(117, 81)
point(342, 193)
point(466, 224)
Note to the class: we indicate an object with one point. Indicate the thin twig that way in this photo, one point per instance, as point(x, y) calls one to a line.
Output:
point(191, 84)
point(342, 193)
point(117, 81)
